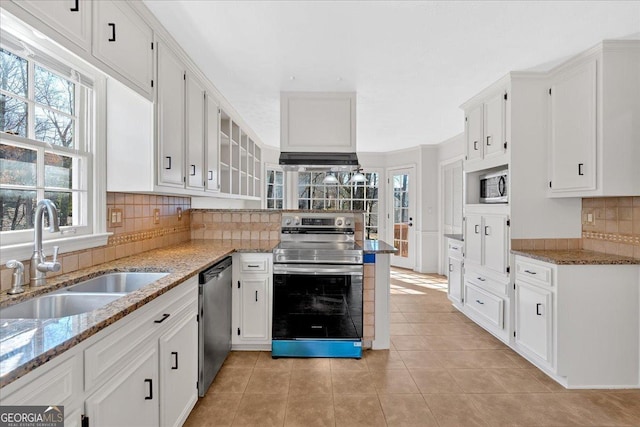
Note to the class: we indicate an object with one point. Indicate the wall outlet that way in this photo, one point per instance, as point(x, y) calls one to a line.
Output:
point(179, 211)
point(115, 217)
point(156, 216)
point(590, 218)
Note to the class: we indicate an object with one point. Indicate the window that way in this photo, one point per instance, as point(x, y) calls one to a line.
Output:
point(45, 141)
point(346, 195)
point(275, 189)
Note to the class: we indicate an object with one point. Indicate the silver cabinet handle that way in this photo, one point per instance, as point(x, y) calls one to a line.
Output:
point(479, 302)
point(487, 229)
point(476, 229)
point(530, 272)
point(488, 140)
point(475, 145)
point(210, 175)
point(193, 170)
point(482, 279)
point(538, 309)
point(450, 267)
point(256, 296)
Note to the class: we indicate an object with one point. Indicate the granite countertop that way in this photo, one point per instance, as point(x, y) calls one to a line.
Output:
point(28, 343)
point(576, 257)
point(458, 237)
point(378, 247)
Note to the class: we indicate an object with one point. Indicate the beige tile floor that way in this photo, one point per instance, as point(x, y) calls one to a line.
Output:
point(442, 370)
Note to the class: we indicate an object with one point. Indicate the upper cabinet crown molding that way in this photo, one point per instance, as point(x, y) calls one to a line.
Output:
point(318, 122)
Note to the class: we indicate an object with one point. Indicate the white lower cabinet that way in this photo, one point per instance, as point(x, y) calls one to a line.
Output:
point(178, 369)
point(131, 397)
point(251, 312)
point(579, 323)
point(487, 302)
point(534, 320)
point(58, 384)
point(455, 272)
point(139, 371)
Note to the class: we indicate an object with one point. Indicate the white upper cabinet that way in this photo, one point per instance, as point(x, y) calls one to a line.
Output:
point(170, 118)
point(594, 134)
point(195, 137)
point(212, 144)
point(474, 136)
point(485, 131)
point(123, 41)
point(318, 122)
point(573, 129)
point(71, 18)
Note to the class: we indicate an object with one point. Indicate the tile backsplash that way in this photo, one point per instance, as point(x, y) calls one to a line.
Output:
point(609, 224)
point(612, 225)
point(139, 232)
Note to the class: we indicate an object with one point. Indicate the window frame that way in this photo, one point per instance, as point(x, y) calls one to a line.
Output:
point(265, 200)
point(378, 227)
point(89, 136)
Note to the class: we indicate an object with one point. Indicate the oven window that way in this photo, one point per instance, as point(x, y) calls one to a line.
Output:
point(320, 306)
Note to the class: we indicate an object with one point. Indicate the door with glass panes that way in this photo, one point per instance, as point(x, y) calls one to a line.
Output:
point(402, 216)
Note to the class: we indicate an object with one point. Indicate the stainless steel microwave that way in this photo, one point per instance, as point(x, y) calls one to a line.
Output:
point(494, 188)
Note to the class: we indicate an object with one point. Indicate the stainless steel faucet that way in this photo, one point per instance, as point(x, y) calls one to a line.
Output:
point(39, 264)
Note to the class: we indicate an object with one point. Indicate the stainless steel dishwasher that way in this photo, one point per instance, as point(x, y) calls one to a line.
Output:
point(214, 321)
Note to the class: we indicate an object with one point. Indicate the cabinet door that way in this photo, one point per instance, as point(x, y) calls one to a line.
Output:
point(474, 133)
point(573, 129)
point(254, 308)
point(71, 18)
point(122, 40)
point(170, 118)
point(194, 117)
point(212, 145)
point(494, 110)
point(131, 397)
point(494, 233)
point(455, 279)
point(473, 239)
point(534, 320)
point(57, 385)
point(178, 370)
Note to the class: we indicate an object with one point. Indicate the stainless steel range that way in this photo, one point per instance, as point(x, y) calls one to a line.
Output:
point(317, 287)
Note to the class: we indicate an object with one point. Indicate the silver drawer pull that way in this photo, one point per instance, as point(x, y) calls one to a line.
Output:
point(450, 267)
point(530, 272)
point(481, 279)
point(479, 302)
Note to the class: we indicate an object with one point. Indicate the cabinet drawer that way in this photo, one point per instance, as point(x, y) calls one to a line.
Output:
point(254, 264)
point(482, 281)
point(533, 272)
point(488, 306)
point(455, 249)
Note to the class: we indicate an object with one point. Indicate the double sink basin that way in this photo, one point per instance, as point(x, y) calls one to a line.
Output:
point(82, 297)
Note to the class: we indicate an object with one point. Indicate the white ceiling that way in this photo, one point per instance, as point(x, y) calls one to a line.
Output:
point(411, 63)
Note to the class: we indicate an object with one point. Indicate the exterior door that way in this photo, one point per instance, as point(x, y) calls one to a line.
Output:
point(403, 215)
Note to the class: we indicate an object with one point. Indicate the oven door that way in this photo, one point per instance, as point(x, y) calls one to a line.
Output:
point(315, 301)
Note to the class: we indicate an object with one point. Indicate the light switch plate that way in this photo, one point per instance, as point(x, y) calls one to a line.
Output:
point(115, 217)
point(179, 211)
point(156, 216)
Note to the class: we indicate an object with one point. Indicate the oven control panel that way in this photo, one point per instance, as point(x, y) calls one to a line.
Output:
point(319, 221)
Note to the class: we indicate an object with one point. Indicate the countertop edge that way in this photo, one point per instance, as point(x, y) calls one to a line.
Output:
point(155, 290)
point(576, 257)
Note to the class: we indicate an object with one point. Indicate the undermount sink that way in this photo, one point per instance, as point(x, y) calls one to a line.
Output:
point(58, 305)
point(121, 282)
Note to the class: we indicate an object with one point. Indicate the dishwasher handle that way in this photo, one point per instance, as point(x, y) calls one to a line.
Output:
point(214, 271)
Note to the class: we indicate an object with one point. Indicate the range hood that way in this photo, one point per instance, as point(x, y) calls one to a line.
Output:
point(319, 162)
point(318, 131)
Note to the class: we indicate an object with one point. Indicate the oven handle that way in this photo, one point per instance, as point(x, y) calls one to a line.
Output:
point(318, 269)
